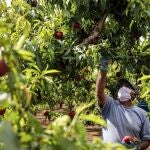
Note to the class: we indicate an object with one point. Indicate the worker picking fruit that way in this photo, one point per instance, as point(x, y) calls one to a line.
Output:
point(126, 123)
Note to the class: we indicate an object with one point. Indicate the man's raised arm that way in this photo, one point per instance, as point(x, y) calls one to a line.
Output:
point(100, 87)
point(101, 82)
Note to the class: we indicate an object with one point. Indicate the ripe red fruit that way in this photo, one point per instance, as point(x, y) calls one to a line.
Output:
point(76, 25)
point(46, 113)
point(33, 3)
point(2, 111)
point(127, 139)
point(72, 114)
point(58, 35)
point(3, 68)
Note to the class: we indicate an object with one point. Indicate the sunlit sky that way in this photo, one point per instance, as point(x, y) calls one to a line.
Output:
point(8, 2)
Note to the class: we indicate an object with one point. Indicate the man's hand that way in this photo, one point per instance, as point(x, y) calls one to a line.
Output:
point(145, 145)
point(101, 81)
point(131, 142)
point(104, 63)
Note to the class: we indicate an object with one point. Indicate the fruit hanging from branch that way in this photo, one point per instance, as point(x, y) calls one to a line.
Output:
point(2, 111)
point(3, 68)
point(75, 25)
point(58, 35)
point(34, 3)
point(71, 114)
point(127, 139)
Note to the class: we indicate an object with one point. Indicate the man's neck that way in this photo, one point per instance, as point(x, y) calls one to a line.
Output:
point(127, 103)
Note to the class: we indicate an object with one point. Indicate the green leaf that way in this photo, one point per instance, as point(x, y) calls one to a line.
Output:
point(35, 66)
point(26, 55)
point(20, 43)
point(13, 116)
point(53, 71)
point(35, 123)
point(3, 28)
point(147, 47)
point(83, 107)
point(61, 122)
point(5, 99)
point(131, 24)
point(145, 77)
point(93, 118)
point(31, 71)
point(145, 93)
point(69, 58)
point(24, 137)
point(148, 12)
point(49, 80)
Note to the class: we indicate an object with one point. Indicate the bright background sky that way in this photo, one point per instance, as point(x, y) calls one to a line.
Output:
point(8, 2)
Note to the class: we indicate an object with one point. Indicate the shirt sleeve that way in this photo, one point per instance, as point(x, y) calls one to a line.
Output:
point(145, 132)
point(107, 107)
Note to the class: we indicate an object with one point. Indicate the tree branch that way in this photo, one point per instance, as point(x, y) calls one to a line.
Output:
point(96, 30)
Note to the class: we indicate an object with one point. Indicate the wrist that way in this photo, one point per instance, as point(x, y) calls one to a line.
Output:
point(103, 73)
point(103, 70)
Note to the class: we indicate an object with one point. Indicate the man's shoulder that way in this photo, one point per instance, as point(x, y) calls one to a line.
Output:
point(111, 100)
point(140, 111)
point(109, 106)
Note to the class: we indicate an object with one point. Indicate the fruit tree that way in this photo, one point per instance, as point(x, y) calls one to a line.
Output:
point(49, 54)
